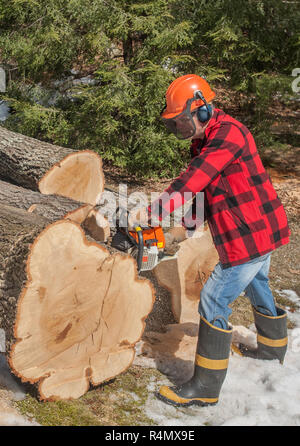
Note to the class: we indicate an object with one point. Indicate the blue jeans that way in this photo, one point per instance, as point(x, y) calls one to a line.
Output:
point(225, 285)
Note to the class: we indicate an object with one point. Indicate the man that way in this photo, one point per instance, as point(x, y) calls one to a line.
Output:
point(247, 222)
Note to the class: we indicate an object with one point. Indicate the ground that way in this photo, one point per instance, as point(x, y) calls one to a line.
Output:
point(124, 400)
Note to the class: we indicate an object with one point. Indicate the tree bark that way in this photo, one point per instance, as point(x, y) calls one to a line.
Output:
point(61, 298)
point(128, 50)
point(18, 229)
point(52, 207)
point(49, 168)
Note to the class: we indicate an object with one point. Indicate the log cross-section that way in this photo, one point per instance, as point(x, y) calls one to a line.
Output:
point(49, 168)
point(72, 312)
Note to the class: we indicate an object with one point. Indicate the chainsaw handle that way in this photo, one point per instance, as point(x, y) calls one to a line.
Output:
point(140, 247)
point(140, 243)
point(121, 212)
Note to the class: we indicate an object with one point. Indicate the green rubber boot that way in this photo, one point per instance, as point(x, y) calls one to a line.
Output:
point(271, 337)
point(212, 355)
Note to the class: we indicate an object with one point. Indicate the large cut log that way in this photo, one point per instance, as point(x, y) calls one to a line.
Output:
point(53, 207)
point(72, 312)
point(49, 168)
point(185, 275)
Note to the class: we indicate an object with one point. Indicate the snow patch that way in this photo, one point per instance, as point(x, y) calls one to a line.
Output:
point(12, 419)
point(290, 295)
point(255, 393)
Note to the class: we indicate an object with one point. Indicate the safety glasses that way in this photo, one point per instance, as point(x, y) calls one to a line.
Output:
point(183, 125)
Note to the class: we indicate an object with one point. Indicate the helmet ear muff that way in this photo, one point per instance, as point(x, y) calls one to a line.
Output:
point(204, 113)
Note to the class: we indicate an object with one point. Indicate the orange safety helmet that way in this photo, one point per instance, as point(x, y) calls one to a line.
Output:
point(184, 96)
point(181, 90)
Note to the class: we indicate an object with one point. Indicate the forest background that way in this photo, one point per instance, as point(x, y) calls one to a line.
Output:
point(92, 74)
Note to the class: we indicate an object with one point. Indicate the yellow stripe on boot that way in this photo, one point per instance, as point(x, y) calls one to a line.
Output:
point(166, 392)
point(212, 364)
point(272, 342)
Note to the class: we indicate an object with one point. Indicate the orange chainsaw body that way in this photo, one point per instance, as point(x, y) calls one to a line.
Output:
point(152, 236)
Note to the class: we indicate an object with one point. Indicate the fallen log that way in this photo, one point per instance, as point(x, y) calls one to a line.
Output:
point(97, 226)
point(72, 312)
point(185, 275)
point(52, 207)
point(49, 168)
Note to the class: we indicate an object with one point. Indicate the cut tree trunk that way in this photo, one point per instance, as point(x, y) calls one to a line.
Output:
point(97, 226)
point(49, 168)
point(53, 207)
point(185, 275)
point(72, 312)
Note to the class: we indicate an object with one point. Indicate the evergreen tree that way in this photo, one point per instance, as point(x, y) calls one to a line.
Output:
point(131, 51)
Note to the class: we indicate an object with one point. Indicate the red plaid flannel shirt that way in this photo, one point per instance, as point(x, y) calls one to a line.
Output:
point(243, 211)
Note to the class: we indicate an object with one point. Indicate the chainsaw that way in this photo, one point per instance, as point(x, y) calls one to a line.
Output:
point(146, 245)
